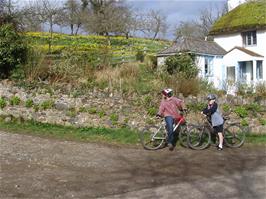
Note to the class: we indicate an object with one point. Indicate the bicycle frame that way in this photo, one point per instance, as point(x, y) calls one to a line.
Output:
point(152, 137)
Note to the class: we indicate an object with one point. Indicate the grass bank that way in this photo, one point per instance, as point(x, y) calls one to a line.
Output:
point(122, 136)
point(99, 135)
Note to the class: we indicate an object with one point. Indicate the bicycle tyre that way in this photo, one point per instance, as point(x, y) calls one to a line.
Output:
point(199, 138)
point(234, 135)
point(153, 137)
point(182, 136)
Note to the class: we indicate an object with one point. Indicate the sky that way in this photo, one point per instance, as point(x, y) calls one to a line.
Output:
point(178, 10)
point(174, 10)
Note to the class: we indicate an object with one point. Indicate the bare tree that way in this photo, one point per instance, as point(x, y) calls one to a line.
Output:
point(157, 23)
point(208, 17)
point(49, 12)
point(74, 12)
point(111, 18)
point(152, 23)
point(9, 13)
point(30, 18)
point(200, 29)
point(97, 5)
point(189, 29)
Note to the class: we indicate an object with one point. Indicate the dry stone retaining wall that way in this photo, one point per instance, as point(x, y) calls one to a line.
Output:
point(97, 109)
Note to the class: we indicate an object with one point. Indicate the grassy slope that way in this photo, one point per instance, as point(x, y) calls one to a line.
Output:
point(120, 46)
point(245, 16)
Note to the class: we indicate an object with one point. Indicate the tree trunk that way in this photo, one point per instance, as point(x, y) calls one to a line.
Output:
point(72, 29)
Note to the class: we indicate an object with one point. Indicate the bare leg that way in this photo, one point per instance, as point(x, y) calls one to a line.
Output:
point(221, 139)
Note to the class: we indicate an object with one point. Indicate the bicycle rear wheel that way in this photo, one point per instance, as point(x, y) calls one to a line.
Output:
point(234, 135)
point(199, 138)
point(153, 137)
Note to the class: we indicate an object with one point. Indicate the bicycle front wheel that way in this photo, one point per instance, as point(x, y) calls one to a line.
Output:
point(234, 135)
point(182, 136)
point(153, 137)
point(199, 138)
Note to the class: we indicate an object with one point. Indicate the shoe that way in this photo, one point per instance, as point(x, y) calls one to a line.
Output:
point(171, 147)
point(219, 148)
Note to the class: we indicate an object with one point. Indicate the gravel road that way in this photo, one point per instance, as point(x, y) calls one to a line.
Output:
point(34, 167)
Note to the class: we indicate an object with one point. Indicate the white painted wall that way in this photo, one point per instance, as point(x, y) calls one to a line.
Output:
point(229, 41)
point(160, 61)
point(260, 48)
point(217, 71)
point(234, 3)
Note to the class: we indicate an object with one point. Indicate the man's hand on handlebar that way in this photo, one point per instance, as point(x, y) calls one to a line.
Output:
point(158, 116)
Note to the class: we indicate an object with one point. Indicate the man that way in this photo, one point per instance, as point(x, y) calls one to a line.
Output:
point(169, 109)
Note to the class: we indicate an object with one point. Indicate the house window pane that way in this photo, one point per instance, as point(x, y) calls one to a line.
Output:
point(231, 75)
point(249, 38)
point(242, 71)
point(208, 66)
point(254, 37)
point(259, 69)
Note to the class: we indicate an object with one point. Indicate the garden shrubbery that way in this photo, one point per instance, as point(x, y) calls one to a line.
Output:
point(13, 50)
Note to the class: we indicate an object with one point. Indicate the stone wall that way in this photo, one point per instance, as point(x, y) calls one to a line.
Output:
point(95, 109)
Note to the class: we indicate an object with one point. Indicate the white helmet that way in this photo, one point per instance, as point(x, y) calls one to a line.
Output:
point(168, 92)
point(211, 97)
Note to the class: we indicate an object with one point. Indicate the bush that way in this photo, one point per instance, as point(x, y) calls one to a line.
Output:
point(196, 107)
point(140, 56)
point(48, 104)
point(241, 111)
point(13, 50)
point(182, 63)
point(261, 90)
point(15, 100)
point(29, 103)
point(2, 102)
point(152, 111)
point(181, 84)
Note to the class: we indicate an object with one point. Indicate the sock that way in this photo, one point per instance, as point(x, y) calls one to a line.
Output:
point(220, 145)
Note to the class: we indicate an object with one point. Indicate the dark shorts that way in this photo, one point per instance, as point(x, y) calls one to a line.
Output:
point(218, 129)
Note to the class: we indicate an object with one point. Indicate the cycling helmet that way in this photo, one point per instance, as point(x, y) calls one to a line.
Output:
point(168, 92)
point(211, 97)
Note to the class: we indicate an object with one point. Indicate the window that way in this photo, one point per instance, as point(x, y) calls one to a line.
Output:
point(259, 73)
point(208, 62)
point(231, 73)
point(249, 38)
point(243, 71)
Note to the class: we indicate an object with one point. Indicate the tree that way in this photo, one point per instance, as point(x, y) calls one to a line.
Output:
point(183, 64)
point(9, 14)
point(111, 18)
point(73, 14)
point(13, 50)
point(189, 29)
point(208, 17)
point(156, 23)
point(49, 12)
point(152, 23)
point(200, 29)
point(30, 18)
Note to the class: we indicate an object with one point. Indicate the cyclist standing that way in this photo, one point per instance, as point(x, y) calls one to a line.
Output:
point(169, 109)
point(215, 117)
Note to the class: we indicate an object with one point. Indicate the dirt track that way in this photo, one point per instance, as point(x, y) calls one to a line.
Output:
point(33, 167)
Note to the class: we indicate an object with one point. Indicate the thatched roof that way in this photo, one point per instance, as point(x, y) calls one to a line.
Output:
point(248, 16)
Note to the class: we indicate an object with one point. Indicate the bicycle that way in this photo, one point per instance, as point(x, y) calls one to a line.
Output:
point(155, 136)
point(202, 136)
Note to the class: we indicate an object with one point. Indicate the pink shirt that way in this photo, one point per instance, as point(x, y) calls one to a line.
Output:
point(169, 107)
